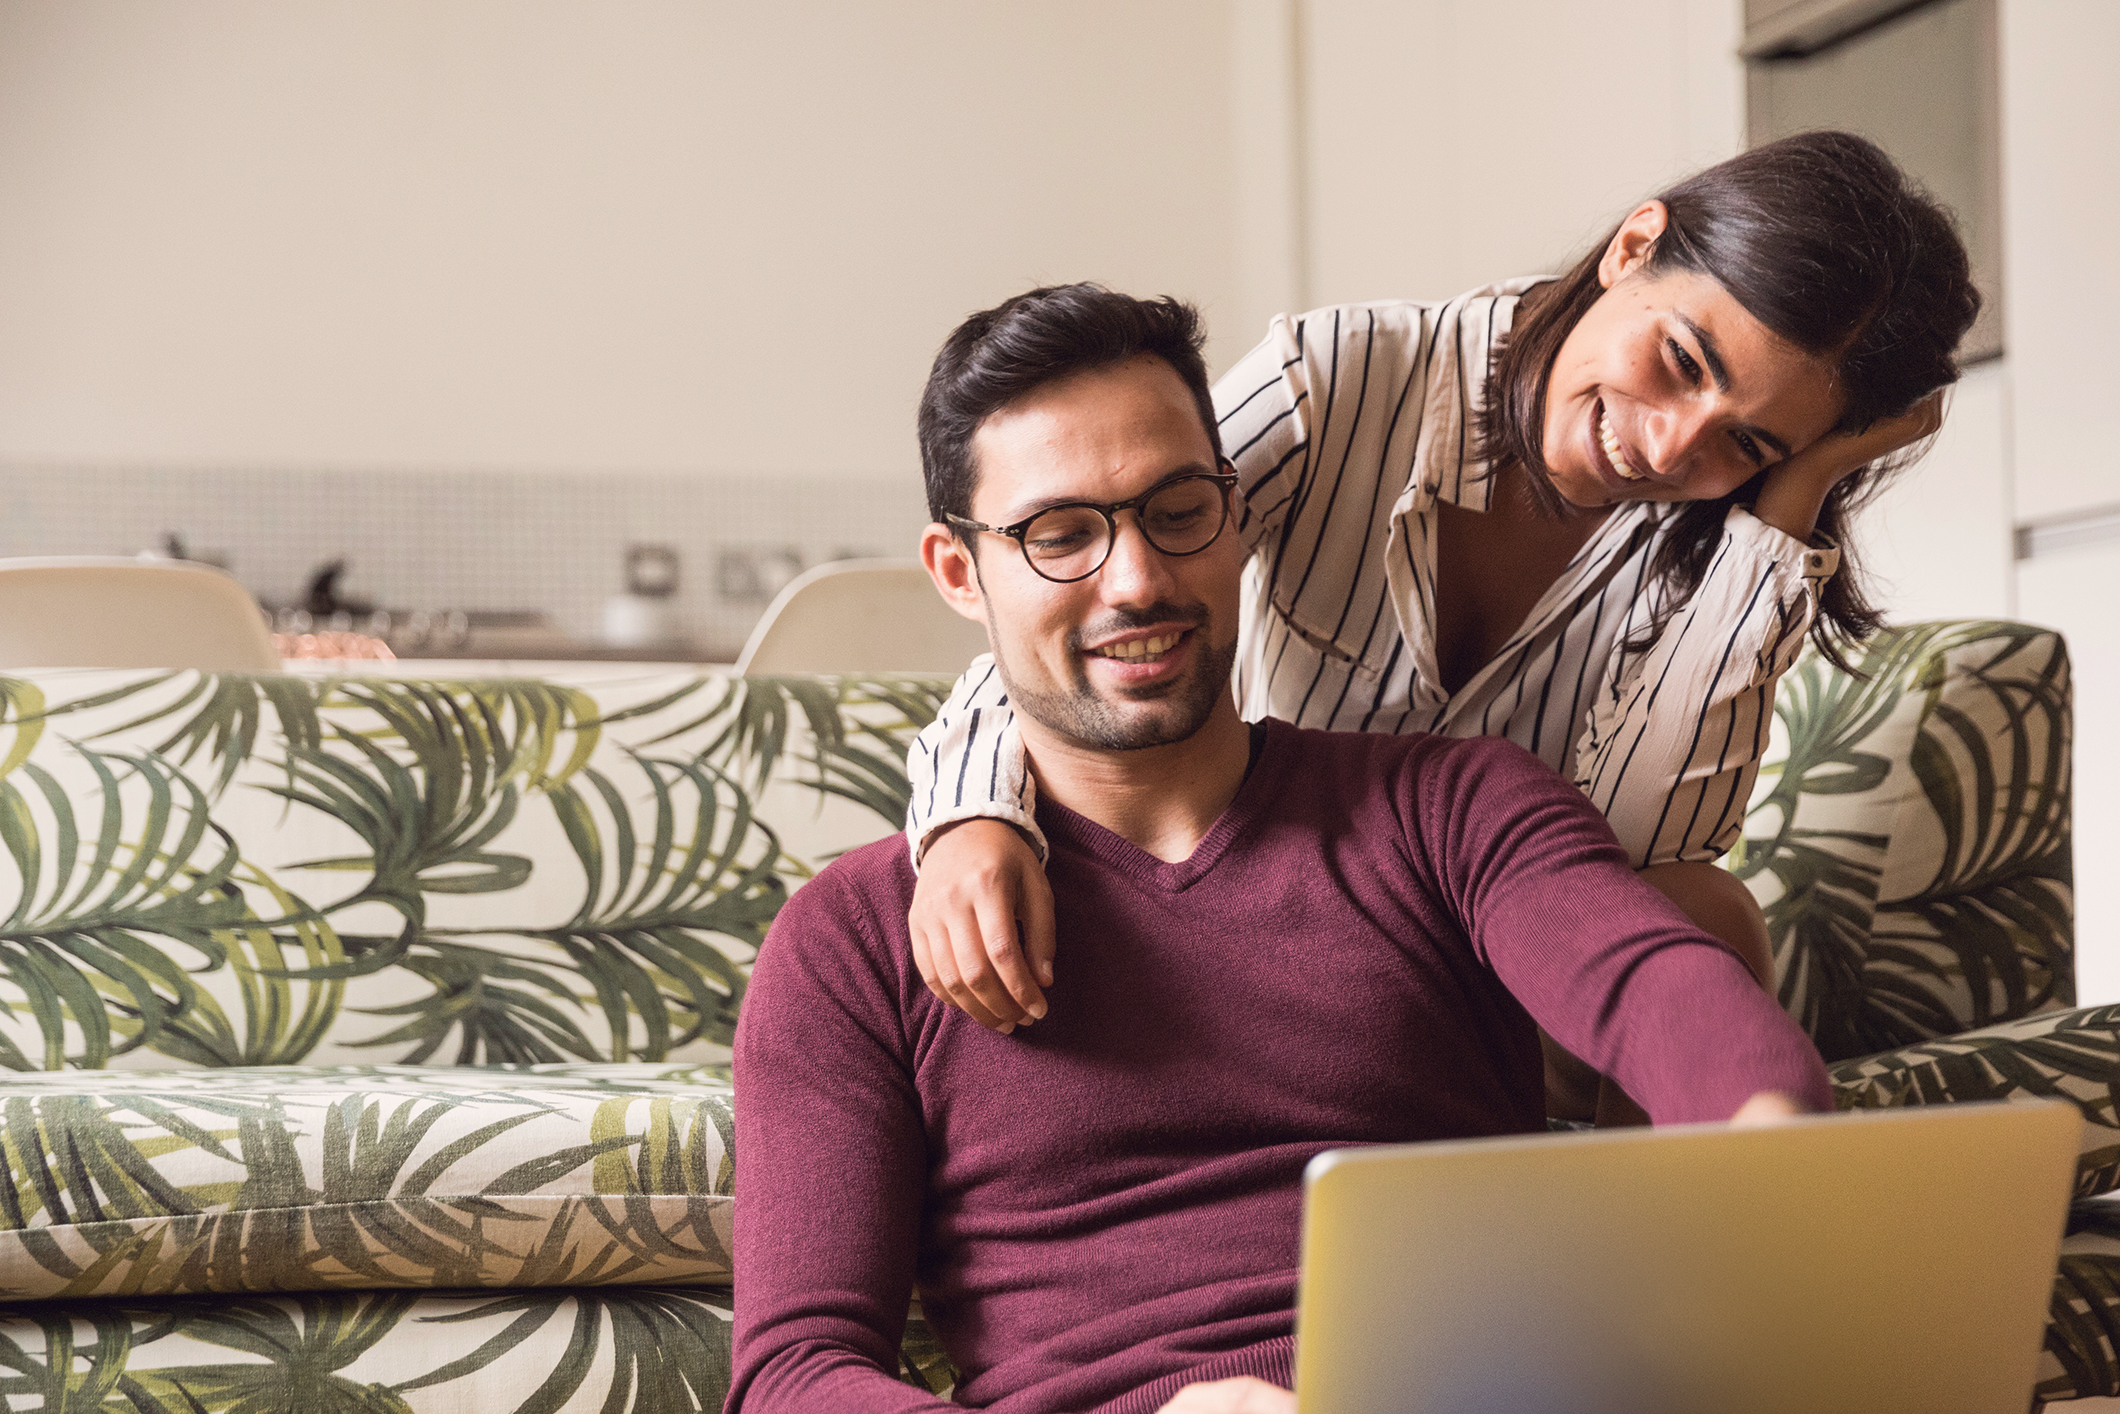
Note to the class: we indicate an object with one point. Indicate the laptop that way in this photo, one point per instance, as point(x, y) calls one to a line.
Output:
point(1888, 1262)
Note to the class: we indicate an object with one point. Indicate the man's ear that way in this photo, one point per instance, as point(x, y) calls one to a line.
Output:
point(1632, 242)
point(949, 564)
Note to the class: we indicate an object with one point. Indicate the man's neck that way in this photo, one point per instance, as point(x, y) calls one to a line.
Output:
point(1161, 798)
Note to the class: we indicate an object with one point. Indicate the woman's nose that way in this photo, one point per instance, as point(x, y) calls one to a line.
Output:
point(1672, 436)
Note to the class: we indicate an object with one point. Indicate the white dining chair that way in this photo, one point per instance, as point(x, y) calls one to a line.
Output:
point(93, 612)
point(861, 616)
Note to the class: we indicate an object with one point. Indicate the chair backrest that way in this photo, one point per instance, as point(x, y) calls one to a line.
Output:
point(117, 613)
point(861, 616)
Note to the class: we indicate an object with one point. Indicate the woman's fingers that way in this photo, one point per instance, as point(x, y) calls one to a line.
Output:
point(1881, 439)
point(974, 880)
point(935, 954)
point(1819, 467)
point(993, 961)
point(1034, 910)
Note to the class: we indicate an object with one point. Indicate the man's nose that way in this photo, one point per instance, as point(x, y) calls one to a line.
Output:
point(1135, 571)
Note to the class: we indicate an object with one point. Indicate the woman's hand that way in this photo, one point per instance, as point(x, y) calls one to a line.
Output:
point(1242, 1395)
point(1797, 487)
point(978, 880)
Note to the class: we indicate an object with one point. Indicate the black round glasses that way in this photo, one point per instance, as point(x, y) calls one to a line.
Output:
point(1071, 541)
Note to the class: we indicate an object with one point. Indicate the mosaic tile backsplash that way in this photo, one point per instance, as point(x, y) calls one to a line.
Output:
point(550, 541)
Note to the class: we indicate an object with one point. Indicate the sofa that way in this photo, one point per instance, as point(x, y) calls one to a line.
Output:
point(366, 1034)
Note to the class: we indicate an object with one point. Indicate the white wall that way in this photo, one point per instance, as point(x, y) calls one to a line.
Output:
point(2074, 590)
point(674, 235)
point(651, 234)
point(1455, 142)
point(2061, 203)
point(2061, 185)
point(1938, 543)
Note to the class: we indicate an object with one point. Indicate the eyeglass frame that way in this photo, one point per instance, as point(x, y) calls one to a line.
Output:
point(1225, 479)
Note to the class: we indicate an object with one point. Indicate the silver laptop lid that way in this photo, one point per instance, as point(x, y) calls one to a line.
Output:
point(1893, 1262)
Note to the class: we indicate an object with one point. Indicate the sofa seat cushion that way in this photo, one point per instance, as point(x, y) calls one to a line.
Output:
point(2082, 1351)
point(304, 1178)
point(2060, 1055)
point(385, 1352)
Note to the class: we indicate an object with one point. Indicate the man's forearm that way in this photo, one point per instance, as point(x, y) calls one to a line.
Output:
point(809, 1378)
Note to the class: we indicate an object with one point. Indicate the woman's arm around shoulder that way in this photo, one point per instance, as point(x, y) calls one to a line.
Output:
point(981, 921)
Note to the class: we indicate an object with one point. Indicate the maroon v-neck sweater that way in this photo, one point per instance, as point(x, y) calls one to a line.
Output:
point(1105, 1205)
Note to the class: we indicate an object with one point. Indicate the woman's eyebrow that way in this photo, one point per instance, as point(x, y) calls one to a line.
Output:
point(1709, 354)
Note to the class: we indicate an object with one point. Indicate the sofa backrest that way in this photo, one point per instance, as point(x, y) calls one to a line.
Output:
point(231, 869)
point(1909, 836)
point(208, 870)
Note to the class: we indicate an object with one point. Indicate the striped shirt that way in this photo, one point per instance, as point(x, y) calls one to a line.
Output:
point(1347, 426)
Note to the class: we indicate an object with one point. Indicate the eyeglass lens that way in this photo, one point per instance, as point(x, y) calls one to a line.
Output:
point(1182, 517)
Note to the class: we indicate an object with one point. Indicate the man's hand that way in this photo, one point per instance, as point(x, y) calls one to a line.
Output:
point(1797, 487)
point(1243, 1395)
point(1766, 1107)
point(978, 879)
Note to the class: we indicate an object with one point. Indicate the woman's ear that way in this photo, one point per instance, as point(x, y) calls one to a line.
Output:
point(949, 563)
point(1632, 242)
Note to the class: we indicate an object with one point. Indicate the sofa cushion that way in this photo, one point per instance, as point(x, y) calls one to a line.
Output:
point(1909, 836)
point(202, 870)
point(2061, 1055)
point(376, 1352)
point(296, 1179)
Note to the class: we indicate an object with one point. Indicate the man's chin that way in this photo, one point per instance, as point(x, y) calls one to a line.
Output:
point(1137, 730)
point(1108, 716)
point(1109, 723)
point(1122, 719)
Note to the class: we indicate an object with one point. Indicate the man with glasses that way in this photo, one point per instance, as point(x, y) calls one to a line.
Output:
point(1277, 942)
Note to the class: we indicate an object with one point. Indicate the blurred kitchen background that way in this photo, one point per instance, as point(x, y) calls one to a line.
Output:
point(506, 306)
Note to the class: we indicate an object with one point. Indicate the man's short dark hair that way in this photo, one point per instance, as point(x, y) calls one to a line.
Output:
point(1000, 354)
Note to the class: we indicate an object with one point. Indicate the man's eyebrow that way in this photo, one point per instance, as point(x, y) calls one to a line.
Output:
point(1712, 357)
point(1028, 509)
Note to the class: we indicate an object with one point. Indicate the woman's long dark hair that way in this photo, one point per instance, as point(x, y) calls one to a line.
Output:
point(1828, 244)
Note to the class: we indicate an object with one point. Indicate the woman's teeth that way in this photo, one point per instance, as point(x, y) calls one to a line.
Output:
point(1614, 453)
point(1139, 648)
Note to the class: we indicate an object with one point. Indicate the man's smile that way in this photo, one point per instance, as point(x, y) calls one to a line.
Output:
point(1134, 650)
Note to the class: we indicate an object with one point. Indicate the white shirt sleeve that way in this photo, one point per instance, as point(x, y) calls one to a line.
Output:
point(1678, 728)
point(1262, 404)
point(969, 763)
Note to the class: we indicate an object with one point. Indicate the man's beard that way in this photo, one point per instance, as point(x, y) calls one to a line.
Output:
point(1079, 713)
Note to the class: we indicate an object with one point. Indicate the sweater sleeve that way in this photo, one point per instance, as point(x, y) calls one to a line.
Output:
point(1606, 964)
point(969, 763)
point(1677, 731)
point(831, 1166)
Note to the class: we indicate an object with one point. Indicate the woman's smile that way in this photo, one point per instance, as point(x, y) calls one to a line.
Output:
point(1615, 454)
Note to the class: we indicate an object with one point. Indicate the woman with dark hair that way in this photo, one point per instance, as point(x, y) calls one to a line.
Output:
point(1595, 514)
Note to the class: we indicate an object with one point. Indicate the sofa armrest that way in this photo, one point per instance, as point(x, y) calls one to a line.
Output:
point(2066, 1055)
